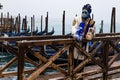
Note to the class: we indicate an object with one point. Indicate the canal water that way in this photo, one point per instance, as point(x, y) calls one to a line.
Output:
point(5, 58)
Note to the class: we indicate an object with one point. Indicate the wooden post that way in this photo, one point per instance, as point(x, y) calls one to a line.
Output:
point(105, 60)
point(41, 22)
point(20, 62)
point(113, 21)
point(92, 16)
point(63, 23)
point(31, 26)
point(101, 29)
point(19, 19)
point(7, 22)
point(4, 25)
point(46, 23)
point(25, 23)
point(33, 22)
point(70, 62)
point(16, 25)
point(1, 23)
point(11, 24)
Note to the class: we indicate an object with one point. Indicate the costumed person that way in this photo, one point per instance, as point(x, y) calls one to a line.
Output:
point(82, 27)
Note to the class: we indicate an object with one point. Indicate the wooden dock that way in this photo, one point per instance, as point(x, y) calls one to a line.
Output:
point(99, 54)
point(104, 43)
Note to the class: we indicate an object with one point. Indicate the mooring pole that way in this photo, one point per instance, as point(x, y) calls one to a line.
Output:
point(63, 23)
point(113, 21)
point(41, 22)
point(19, 22)
point(101, 29)
point(33, 22)
point(1, 24)
point(7, 24)
point(46, 23)
point(31, 26)
point(92, 16)
point(25, 23)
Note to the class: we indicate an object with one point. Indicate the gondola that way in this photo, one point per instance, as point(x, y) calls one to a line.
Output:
point(41, 33)
point(33, 33)
point(50, 33)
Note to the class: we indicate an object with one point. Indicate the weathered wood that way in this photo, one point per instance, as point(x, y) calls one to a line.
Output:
point(105, 61)
point(11, 24)
point(96, 71)
point(19, 22)
point(81, 65)
point(20, 62)
point(46, 23)
point(1, 23)
point(31, 26)
point(53, 37)
point(113, 59)
point(14, 73)
point(106, 34)
point(45, 42)
point(31, 61)
point(113, 21)
point(101, 29)
point(63, 23)
point(91, 55)
point(50, 61)
point(41, 23)
point(33, 22)
point(16, 38)
point(116, 55)
point(10, 49)
point(70, 61)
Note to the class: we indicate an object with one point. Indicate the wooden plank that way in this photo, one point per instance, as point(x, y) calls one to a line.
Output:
point(51, 76)
point(14, 73)
point(19, 38)
point(94, 69)
point(116, 55)
point(81, 65)
point(10, 49)
point(45, 42)
point(54, 37)
point(31, 61)
point(106, 34)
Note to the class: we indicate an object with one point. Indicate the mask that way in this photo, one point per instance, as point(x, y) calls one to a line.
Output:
point(85, 13)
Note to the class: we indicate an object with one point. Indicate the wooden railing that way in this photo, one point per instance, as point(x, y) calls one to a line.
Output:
point(102, 44)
